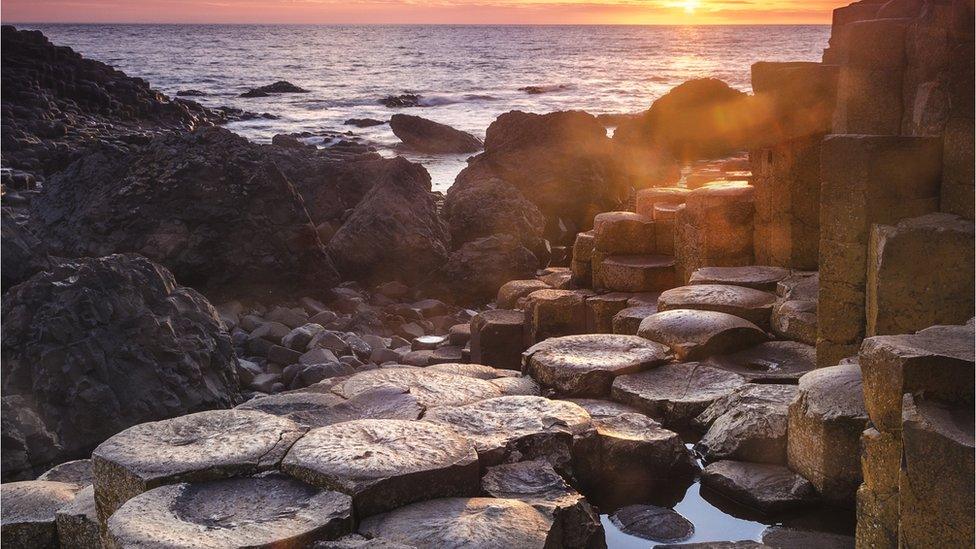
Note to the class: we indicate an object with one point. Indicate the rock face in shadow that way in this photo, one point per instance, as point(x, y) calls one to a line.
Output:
point(475, 271)
point(23, 254)
point(54, 101)
point(97, 345)
point(562, 162)
point(208, 205)
point(487, 207)
point(394, 232)
point(428, 136)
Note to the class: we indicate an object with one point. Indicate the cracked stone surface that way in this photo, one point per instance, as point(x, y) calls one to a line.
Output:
point(194, 447)
point(386, 463)
point(430, 387)
point(266, 511)
point(748, 425)
point(321, 409)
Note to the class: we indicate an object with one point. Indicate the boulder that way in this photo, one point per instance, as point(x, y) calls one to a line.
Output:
point(936, 481)
point(694, 335)
point(675, 393)
point(937, 362)
point(562, 162)
point(770, 362)
point(752, 305)
point(768, 488)
point(77, 521)
point(430, 387)
point(385, 463)
point(394, 233)
point(474, 272)
point(512, 293)
point(586, 365)
point(489, 523)
point(476, 208)
point(208, 205)
point(748, 425)
point(825, 425)
point(432, 137)
point(653, 523)
point(194, 447)
point(528, 427)
point(757, 277)
point(702, 118)
point(631, 456)
point(141, 349)
point(28, 512)
point(782, 537)
point(262, 511)
point(575, 523)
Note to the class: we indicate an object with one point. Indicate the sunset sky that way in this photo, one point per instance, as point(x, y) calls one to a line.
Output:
point(423, 11)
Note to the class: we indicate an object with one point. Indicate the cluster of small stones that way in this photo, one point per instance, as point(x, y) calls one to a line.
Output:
point(286, 347)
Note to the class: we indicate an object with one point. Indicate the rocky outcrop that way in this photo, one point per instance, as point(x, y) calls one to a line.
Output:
point(23, 253)
point(562, 162)
point(433, 137)
point(702, 118)
point(394, 233)
point(474, 272)
point(96, 345)
point(486, 207)
point(208, 205)
point(280, 86)
point(54, 102)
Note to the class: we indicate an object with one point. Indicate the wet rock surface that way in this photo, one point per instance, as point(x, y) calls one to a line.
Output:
point(586, 365)
point(263, 511)
point(653, 523)
point(750, 424)
point(195, 447)
point(384, 464)
point(136, 336)
point(769, 488)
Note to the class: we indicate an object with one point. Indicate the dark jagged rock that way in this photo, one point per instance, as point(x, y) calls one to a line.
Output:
point(433, 137)
point(486, 207)
point(394, 232)
point(190, 93)
point(208, 205)
point(402, 100)
point(280, 86)
point(562, 162)
point(701, 118)
point(474, 272)
point(23, 253)
point(96, 345)
point(54, 102)
point(364, 122)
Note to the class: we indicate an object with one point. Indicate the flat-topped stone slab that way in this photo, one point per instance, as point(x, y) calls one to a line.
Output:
point(765, 487)
point(601, 409)
point(385, 463)
point(271, 510)
point(585, 365)
point(195, 447)
point(77, 521)
point(756, 306)
point(601, 309)
point(575, 522)
point(485, 523)
point(625, 233)
point(77, 472)
point(647, 199)
point(554, 313)
point(630, 455)
point(497, 338)
point(27, 514)
point(430, 387)
point(510, 386)
point(748, 425)
point(758, 277)
point(694, 335)
point(321, 409)
point(653, 523)
point(627, 321)
point(825, 425)
point(633, 273)
point(479, 371)
point(533, 426)
point(938, 361)
point(675, 393)
point(770, 362)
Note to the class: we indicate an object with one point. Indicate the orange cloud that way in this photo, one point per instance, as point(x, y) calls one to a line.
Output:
point(423, 11)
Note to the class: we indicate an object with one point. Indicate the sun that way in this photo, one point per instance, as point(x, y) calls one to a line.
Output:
point(690, 6)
